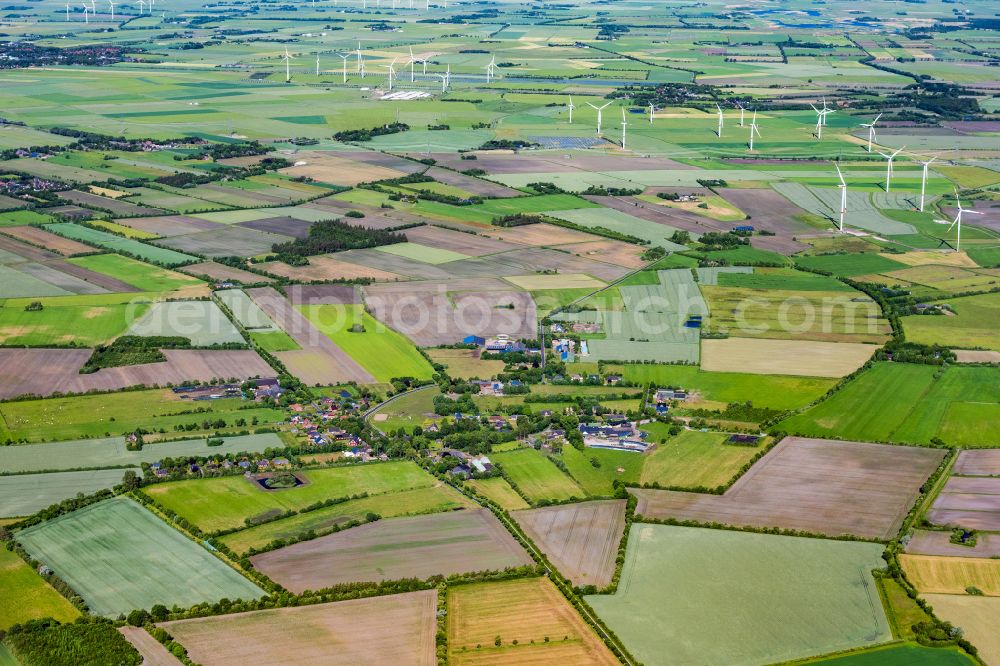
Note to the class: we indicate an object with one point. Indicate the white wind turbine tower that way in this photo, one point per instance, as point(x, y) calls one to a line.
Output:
point(67, 11)
point(288, 66)
point(923, 181)
point(412, 59)
point(652, 109)
point(444, 81)
point(392, 71)
point(112, 3)
point(843, 196)
point(871, 131)
point(491, 69)
point(317, 64)
point(820, 115)
point(345, 57)
point(571, 106)
point(719, 131)
point(600, 110)
point(86, 14)
point(624, 125)
point(359, 56)
point(889, 167)
point(958, 221)
point(741, 113)
point(142, 7)
point(753, 129)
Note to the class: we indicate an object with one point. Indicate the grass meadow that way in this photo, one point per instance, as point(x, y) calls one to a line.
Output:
point(536, 476)
point(24, 595)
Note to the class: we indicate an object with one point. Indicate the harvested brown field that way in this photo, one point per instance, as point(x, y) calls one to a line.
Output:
point(969, 356)
point(978, 462)
point(928, 542)
point(331, 168)
point(396, 548)
point(538, 235)
point(925, 257)
point(770, 211)
point(805, 358)
point(223, 273)
point(952, 575)
point(169, 225)
point(319, 361)
point(431, 319)
point(231, 240)
point(557, 161)
point(437, 286)
point(152, 651)
point(375, 218)
point(581, 540)
point(531, 612)
point(969, 502)
point(46, 371)
point(116, 206)
point(608, 251)
point(325, 267)
point(384, 160)
point(665, 215)
point(483, 188)
point(457, 241)
point(39, 236)
point(394, 630)
point(978, 617)
point(814, 485)
point(323, 294)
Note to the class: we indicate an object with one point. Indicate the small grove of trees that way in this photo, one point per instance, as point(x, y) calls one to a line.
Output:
point(89, 640)
point(333, 236)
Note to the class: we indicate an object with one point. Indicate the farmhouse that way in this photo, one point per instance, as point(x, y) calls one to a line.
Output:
point(621, 437)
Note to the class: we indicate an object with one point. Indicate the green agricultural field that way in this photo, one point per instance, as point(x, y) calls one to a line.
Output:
point(407, 412)
point(77, 417)
point(906, 654)
point(798, 597)
point(782, 279)
point(850, 265)
point(26, 494)
point(377, 348)
point(535, 204)
point(118, 556)
point(424, 253)
point(611, 466)
point(910, 404)
point(226, 502)
point(137, 273)
point(434, 499)
point(693, 459)
point(61, 321)
point(24, 595)
point(498, 490)
point(105, 452)
point(103, 239)
point(274, 341)
point(202, 322)
point(973, 326)
point(536, 476)
point(781, 392)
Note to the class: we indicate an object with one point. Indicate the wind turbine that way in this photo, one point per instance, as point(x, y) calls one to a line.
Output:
point(923, 181)
point(288, 66)
point(843, 196)
point(889, 167)
point(599, 110)
point(112, 3)
point(871, 131)
point(753, 129)
point(651, 110)
point(412, 59)
point(820, 118)
point(142, 7)
point(86, 14)
point(67, 11)
point(345, 57)
point(317, 64)
point(444, 81)
point(624, 125)
point(491, 69)
point(958, 221)
point(392, 71)
point(359, 56)
point(741, 113)
point(571, 106)
point(719, 131)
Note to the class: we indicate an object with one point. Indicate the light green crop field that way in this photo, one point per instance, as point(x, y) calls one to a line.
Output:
point(111, 452)
point(903, 403)
point(378, 349)
point(274, 341)
point(226, 502)
point(110, 241)
point(611, 465)
point(974, 324)
point(850, 265)
point(61, 324)
point(411, 410)
point(498, 490)
point(536, 476)
point(424, 253)
point(24, 595)
point(137, 273)
point(770, 391)
point(694, 459)
point(63, 419)
point(118, 556)
point(434, 499)
point(202, 322)
point(906, 654)
point(798, 597)
point(25, 494)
